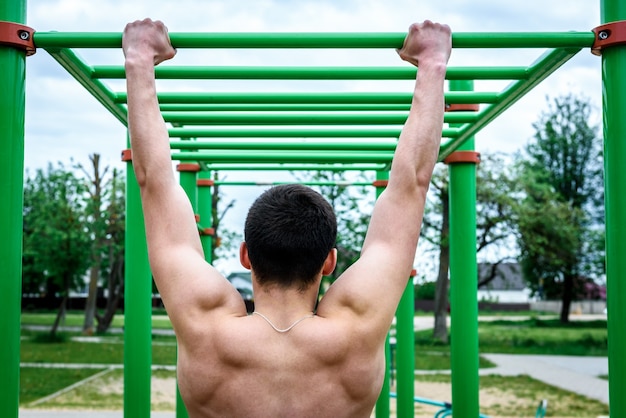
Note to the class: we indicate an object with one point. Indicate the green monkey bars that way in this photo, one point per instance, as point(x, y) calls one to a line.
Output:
point(307, 130)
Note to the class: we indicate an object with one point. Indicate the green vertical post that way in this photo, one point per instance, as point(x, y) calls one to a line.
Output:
point(12, 108)
point(382, 405)
point(614, 103)
point(188, 173)
point(405, 358)
point(463, 281)
point(205, 210)
point(137, 307)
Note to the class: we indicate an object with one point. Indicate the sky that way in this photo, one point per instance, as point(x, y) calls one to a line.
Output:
point(63, 121)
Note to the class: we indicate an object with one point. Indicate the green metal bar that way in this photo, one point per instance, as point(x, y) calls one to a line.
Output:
point(284, 145)
point(306, 183)
point(292, 133)
point(537, 72)
point(12, 110)
point(187, 180)
point(211, 107)
point(614, 103)
point(302, 118)
point(311, 73)
point(205, 209)
point(285, 156)
point(463, 283)
point(383, 403)
point(405, 359)
point(323, 98)
point(296, 167)
point(83, 73)
point(137, 307)
point(320, 40)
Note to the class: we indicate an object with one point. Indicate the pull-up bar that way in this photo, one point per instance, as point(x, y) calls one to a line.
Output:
point(320, 40)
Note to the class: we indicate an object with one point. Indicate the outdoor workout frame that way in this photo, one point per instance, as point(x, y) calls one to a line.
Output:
point(310, 131)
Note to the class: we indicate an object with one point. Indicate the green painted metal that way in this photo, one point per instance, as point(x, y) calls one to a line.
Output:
point(187, 180)
point(302, 118)
point(205, 210)
point(405, 350)
point(211, 107)
point(463, 282)
point(256, 132)
point(137, 307)
point(614, 103)
point(383, 403)
point(306, 183)
point(537, 72)
point(311, 73)
point(328, 145)
point(296, 167)
point(321, 40)
point(83, 73)
point(280, 156)
point(376, 98)
point(12, 109)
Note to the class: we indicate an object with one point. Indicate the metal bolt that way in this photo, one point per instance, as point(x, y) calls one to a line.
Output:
point(24, 35)
point(603, 35)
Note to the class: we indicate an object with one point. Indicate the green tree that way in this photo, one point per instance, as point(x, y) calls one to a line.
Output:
point(56, 242)
point(562, 185)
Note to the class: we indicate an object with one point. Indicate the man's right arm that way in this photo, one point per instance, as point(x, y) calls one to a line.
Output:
point(372, 287)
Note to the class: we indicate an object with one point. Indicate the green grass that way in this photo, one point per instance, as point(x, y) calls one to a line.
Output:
point(520, 395)
point(160, 320)
point(538, 336)
point(36, 383)
point(110, 352)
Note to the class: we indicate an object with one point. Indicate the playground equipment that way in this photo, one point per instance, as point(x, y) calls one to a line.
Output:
point(372, 117)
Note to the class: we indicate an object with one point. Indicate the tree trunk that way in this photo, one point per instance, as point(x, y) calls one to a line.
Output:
point(98, 238)
point(568, 295)
point(440, 331)
point(115, 292)
point(60, 315)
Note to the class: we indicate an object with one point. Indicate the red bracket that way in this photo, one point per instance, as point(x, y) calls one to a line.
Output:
point(197, 217)
point(127, 155)
point(380, 183)
point(205, 183)
point(17, 36)
point(189, 167)
point(610, 34)
point(207, 231)
point(462, 107)
point(463, 157)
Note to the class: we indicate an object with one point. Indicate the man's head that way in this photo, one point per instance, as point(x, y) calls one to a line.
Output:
point(289, 233)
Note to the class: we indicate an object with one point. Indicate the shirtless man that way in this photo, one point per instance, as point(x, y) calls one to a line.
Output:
point(286, 360)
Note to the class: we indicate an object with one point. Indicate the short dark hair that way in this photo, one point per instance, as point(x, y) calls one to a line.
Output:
point(289, 231)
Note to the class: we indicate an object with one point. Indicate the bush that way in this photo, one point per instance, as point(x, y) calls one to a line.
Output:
point(425, 291)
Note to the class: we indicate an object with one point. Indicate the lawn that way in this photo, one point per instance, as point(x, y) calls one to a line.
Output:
point(76, 319)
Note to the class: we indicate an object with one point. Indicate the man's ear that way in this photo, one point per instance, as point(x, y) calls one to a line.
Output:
point(243, 256)
point(330, 263)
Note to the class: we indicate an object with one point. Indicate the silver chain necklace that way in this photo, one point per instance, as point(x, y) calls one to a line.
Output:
point(311, 315)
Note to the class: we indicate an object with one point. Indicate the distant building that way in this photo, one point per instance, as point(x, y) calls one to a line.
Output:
point(507, 286)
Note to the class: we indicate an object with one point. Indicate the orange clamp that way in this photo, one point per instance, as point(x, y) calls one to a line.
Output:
point(127, 155)
point(463, 157)
point(207, 231)
point(462, 107)
point(610, 34)
point(197, 217)
point(380, 183)
point(17, 36)
point(204, 182)
point(190, 167)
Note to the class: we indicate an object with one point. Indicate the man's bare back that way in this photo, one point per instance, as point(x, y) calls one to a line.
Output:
point(244, 368)
point(293, 357)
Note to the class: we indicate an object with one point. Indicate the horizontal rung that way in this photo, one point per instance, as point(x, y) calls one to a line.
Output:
point(319, 40)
